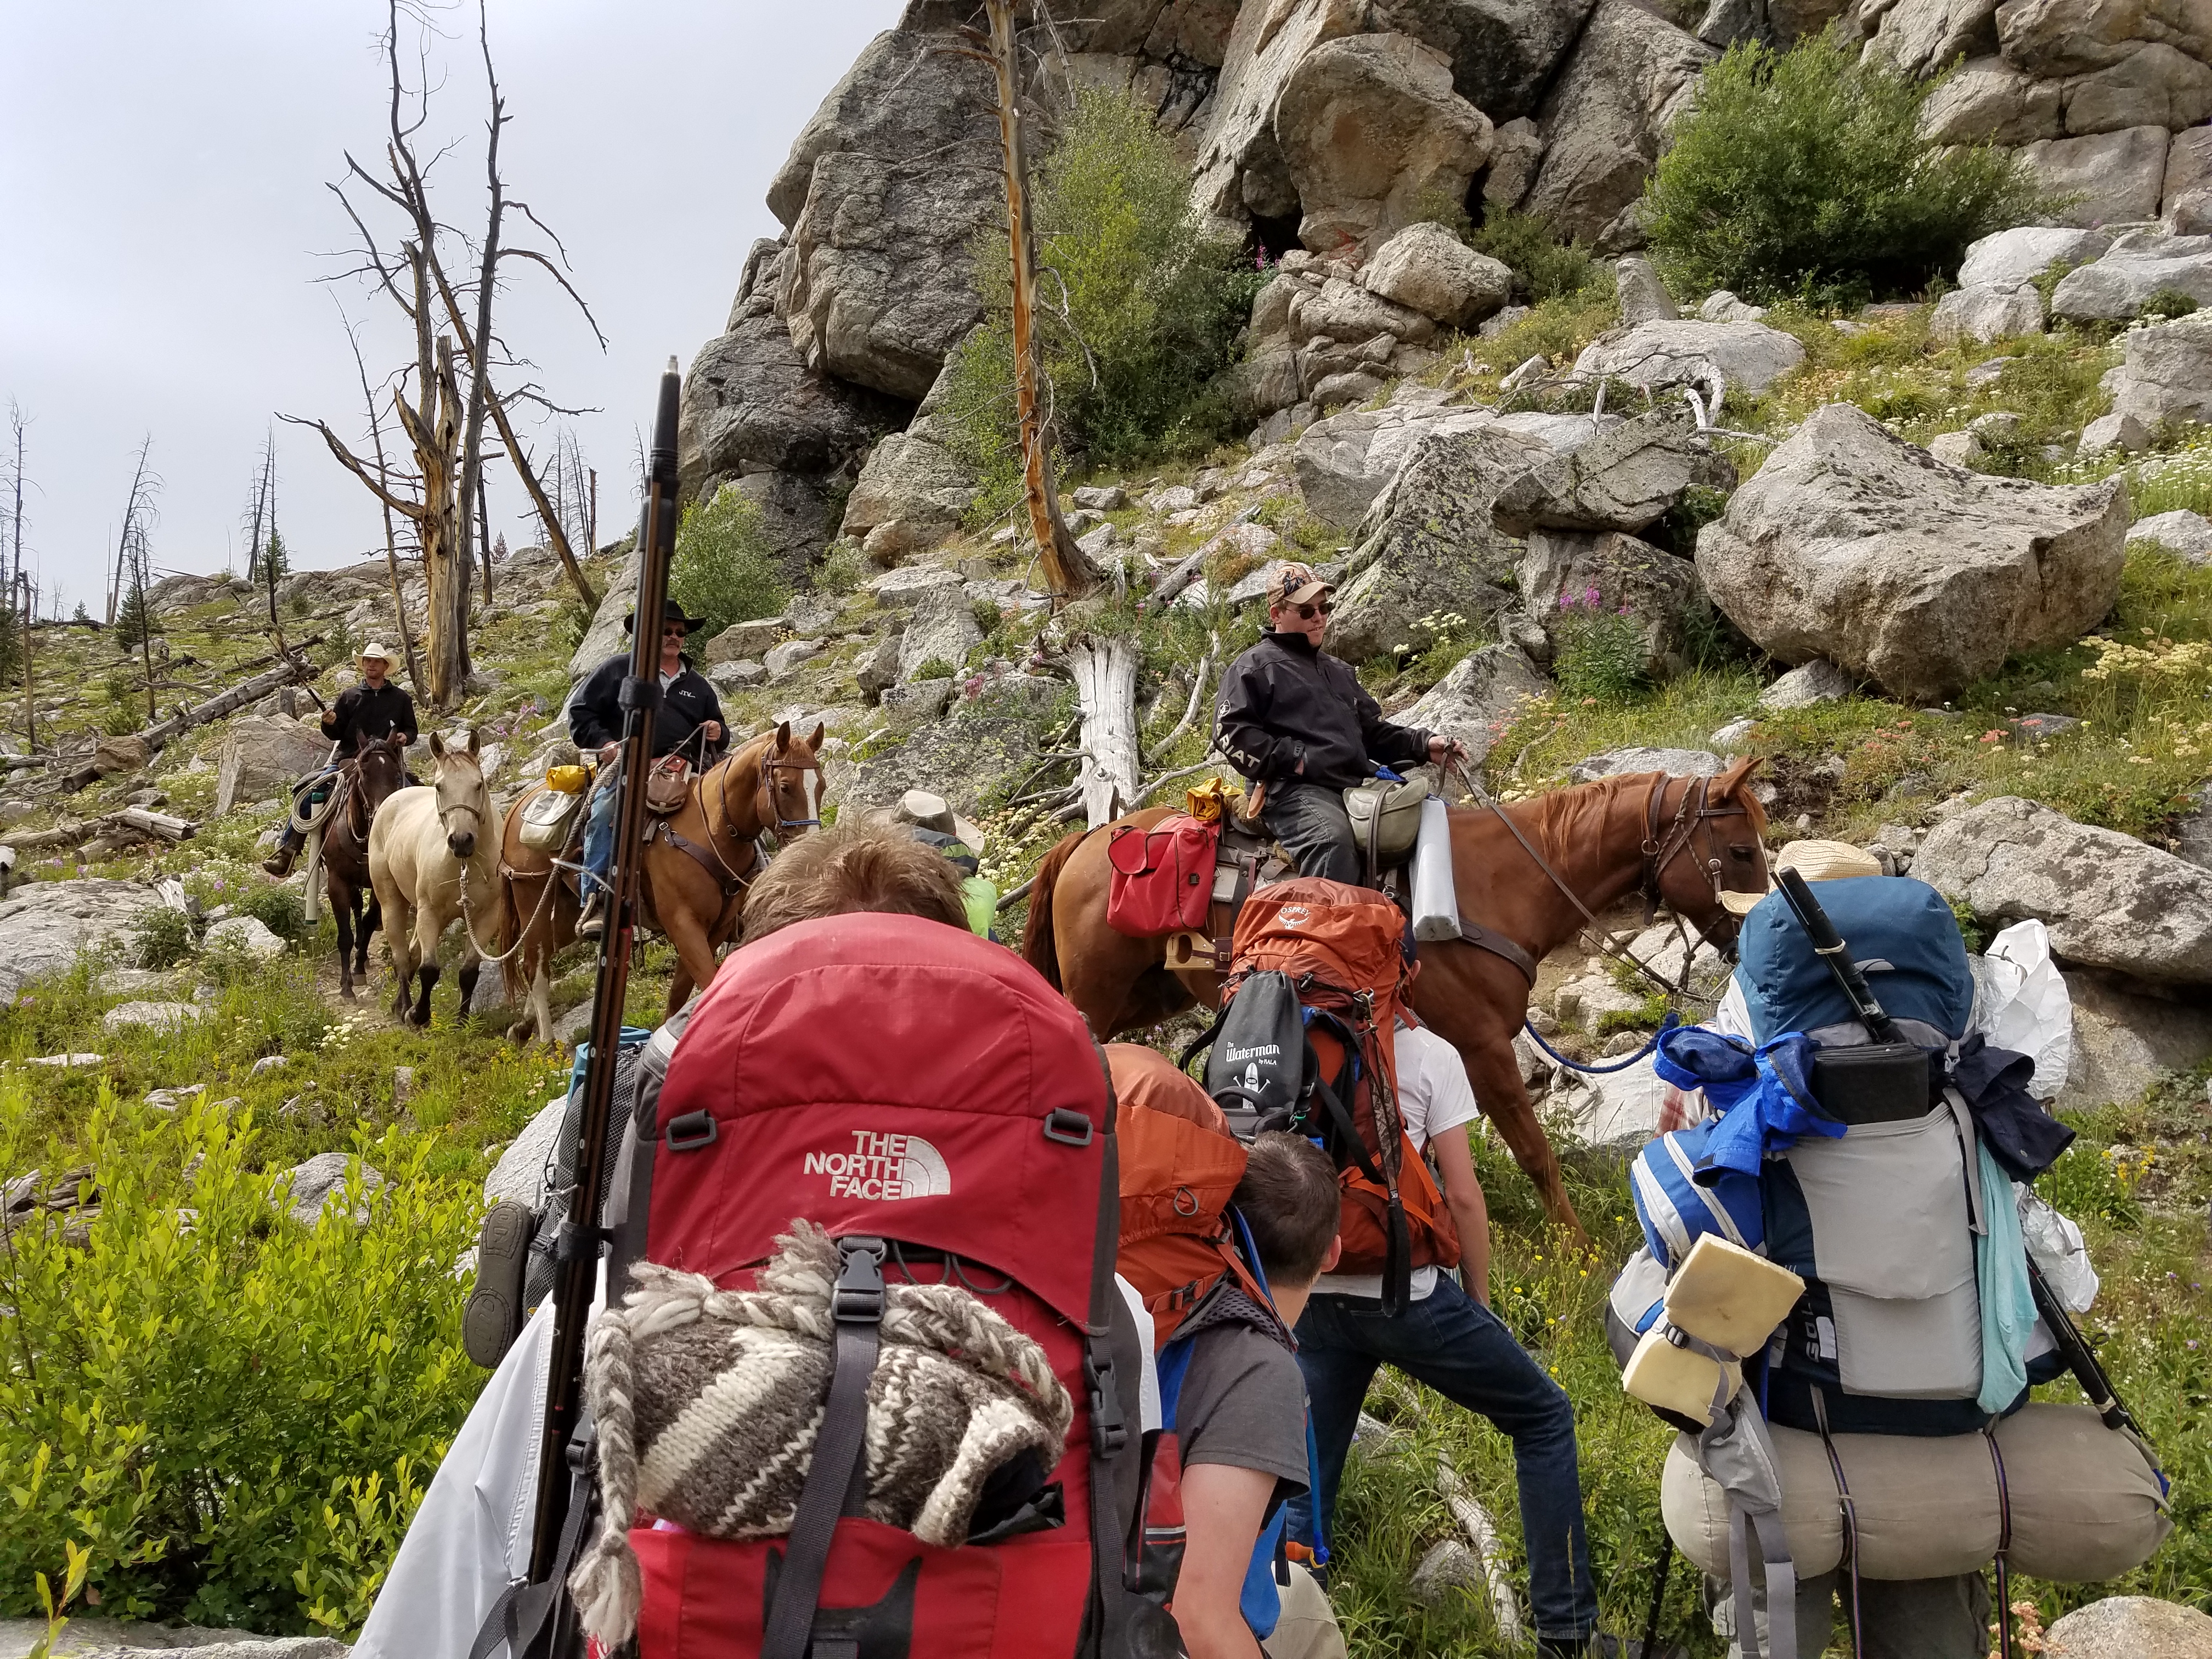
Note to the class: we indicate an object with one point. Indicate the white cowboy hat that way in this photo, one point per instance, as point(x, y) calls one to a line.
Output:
point(372, 649)
point(1815, 861)
point(928, 811)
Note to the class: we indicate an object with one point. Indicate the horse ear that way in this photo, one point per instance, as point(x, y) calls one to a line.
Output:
point(438, 745)
point(782, 736)
point(815, 742)
point(474, 739)
point(1732, 780)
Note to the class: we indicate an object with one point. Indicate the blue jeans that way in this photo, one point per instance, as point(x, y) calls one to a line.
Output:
point(1463, 1350)
point(1309, 820)
point(599, 833)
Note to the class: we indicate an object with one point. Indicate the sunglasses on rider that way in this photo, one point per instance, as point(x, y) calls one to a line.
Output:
point(1308, 613)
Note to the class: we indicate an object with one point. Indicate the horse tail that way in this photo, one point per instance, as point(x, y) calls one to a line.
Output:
point(1038, 946)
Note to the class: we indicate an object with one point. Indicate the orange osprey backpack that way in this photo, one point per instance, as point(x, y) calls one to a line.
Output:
point(1306, 1041)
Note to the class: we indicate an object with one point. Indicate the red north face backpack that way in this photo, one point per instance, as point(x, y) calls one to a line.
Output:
point(927, 1099)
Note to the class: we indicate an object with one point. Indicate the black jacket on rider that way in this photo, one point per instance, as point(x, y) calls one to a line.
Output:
point(363, 714)
point(687, 703)
point(1285, 701)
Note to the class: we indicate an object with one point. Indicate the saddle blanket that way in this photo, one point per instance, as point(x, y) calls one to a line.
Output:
point(1162, 877)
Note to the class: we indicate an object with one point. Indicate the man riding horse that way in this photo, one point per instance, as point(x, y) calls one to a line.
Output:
point(375, 708)
point(1297, 722)
point(691, 718)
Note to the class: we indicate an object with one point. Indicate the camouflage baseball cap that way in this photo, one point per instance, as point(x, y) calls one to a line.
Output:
point(1295, 584)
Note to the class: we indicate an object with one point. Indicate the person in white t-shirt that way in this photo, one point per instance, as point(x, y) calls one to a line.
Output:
point(1448, 1338)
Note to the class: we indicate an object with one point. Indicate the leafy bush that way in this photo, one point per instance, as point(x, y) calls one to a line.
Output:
point(935, 669)
point(1598, 652)
point(1138, 307)
point(160, 938)
point(2168, 302)
point(844, 567)
point(1805, 173)
point(234, 1412)
point(725, 571)
point(1544, 268)
point(277, 908)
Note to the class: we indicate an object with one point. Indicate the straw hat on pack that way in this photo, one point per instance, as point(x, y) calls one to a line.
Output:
point(925, 811)
point(1815, 861)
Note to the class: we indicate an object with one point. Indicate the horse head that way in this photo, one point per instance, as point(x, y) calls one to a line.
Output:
point(380, 764)
point(791, 783)
point(1707, 837)
point(464, 802)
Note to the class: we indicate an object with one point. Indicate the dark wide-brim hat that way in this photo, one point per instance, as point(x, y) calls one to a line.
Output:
point(670, 612)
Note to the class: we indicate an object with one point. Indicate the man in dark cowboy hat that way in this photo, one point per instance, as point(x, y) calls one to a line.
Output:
point(691, 718)
point(1296, 719)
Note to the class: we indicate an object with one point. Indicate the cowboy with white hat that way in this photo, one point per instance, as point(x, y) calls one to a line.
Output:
point(363, 714)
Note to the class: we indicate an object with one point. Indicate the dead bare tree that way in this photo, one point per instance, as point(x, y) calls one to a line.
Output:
point(443, 428)
point(137, 509)
point(391, 539)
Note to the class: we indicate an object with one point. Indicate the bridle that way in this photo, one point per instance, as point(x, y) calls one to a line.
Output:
point(1661, 847)
point(473, 811)
point(769, 812)
point(361, 812)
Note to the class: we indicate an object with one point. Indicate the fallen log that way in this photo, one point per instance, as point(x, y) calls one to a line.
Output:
point(141, 819)
point(1182, 576)
point(164, 824)
point(292, 671)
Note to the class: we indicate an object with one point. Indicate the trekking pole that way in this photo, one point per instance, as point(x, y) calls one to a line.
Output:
point(2073, 1348)
point(560, 1491)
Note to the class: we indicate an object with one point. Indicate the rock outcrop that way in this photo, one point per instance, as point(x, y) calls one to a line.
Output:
point(2166, 372)
point(262, 755)
point(44, 926)
point(1749, 357)
point(2109, 900)
point(1475, 698)
point(2116, 287)
point(1852, 545)
point(2130, 1627)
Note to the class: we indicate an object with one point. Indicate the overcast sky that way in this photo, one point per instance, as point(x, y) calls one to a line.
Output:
point(163, 217)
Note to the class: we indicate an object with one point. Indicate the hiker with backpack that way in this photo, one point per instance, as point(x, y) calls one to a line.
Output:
point(1449, 1339)
point(1223, 1242)
point(1297, 722)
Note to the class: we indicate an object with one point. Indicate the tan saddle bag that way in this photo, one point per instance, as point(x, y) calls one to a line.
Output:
point(1386, 818)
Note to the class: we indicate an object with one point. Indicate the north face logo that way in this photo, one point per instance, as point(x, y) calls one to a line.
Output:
point(882, 1167)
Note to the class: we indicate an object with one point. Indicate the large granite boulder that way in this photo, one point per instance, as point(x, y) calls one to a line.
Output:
point(2166, 372)
point(2109, 900)
point(1239, 169)
point(943, 629)
point(2113, 177)
point(1852, 545)
point(881, 193)
point(2141, 264)
point(1426, 269)
point(1748, 356)
point(751, 403)
point(1624, 478)
point(1921, 37)
point(1563, 569)
point(2185, 198)
point(1475, 700)
point(1368, 126)
point(606, 635)
point(1427, 547)
point(2130, 1627)
point(2124, 1038)
point(1343, 462)
point(2012, 257)
point(1345, 311)
point(44, 925)
point(1985, 314)
point(911, 479)
point(1605, 118)
point(262, 754)
point(1502, 52)
point(1627, 762)
point(2052, 38)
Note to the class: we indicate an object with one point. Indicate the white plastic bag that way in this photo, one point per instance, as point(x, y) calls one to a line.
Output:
point(2021, 1004)
point(2056, 1244)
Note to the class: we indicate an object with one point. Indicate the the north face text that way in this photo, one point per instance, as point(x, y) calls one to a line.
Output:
point(884, 1167)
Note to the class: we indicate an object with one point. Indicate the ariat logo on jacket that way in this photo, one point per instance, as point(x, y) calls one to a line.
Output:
point(881, 1167)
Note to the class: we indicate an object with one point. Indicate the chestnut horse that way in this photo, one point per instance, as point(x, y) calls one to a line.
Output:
point(698, 861)
point(1681, 840)
point(377, 768)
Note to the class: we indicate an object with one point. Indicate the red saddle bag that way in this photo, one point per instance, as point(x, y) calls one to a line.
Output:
point(1162, 877)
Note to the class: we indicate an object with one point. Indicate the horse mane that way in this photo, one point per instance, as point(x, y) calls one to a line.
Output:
point(1562, 818)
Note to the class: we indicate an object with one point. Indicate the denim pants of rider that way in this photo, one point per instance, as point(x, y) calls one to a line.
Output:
point(1463, 1350)
point(1310, 822)
point(599, 832)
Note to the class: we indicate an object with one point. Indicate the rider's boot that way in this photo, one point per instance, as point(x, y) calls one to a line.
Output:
point(279, 864)
point(593, 920)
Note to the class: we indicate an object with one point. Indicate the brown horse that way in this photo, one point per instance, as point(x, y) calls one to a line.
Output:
point(1680, 840)
point(698, 861)
point(377, 768)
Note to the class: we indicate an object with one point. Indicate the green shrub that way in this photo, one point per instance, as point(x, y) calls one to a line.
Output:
point(1139, 306)
point(725, 570)
point(277, 908)
point(1805, 173)
point(1544, 268)
point(2168, 302)
point(160, 938)
point(935, 669)
point(844, 567)
point(1598, 649)
point(235, 1412)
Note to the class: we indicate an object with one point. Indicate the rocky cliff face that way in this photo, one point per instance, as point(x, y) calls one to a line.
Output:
point(1329, 125)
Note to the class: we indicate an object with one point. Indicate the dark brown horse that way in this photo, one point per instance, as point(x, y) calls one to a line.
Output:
point(1680, 839)
point(377, 768)
point(697, 863)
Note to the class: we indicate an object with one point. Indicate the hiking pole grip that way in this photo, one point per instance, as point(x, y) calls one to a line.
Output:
point(579, 1247)
point(1828, 945)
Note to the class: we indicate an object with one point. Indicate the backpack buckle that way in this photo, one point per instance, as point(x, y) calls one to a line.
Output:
point(1109, 1431)
point(689, 1132)
point(858, 1296)
point(1067, 1125)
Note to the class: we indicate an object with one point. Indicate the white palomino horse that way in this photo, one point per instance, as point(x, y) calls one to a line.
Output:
point(433, 853)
